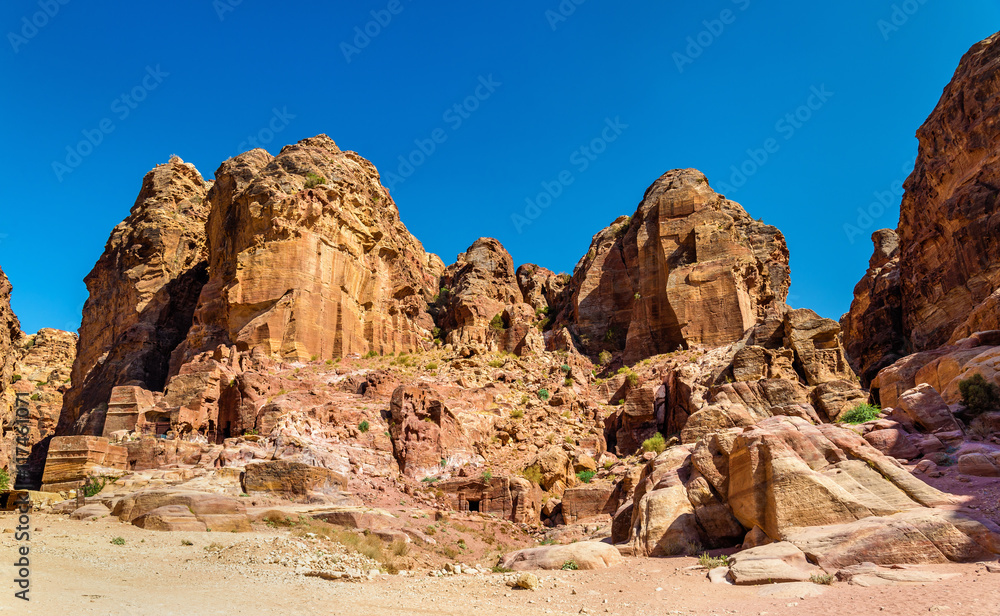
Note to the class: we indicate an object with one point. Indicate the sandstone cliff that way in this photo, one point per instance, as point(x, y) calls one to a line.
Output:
point(10, 334)
point(943, 285)
point(142, 294)
point(688, 268)
point(309, 258)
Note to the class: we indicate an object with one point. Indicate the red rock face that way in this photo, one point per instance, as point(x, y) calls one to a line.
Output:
point(689, 268)
point(142, 294)
point(309, 258)
point(949, 253)
point(10, 335)
point(480, 284)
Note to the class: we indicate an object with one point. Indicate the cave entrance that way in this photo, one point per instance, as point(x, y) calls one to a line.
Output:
point(473, 506)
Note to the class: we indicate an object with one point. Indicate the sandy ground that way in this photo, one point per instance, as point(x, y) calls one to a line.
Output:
point(75, 569)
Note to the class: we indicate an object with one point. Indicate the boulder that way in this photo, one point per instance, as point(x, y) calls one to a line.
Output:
point(770, 564)
point(170, 518)
point(587, 555)
point(90, 512)
point(925, 407)
point(217, 512)
point(292, 480)
point(978, 465)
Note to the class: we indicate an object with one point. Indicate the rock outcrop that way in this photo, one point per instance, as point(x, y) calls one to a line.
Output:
point(308, 258)
point(143, 291)
point(943, 285)
point(688, 268)
point(10, 335)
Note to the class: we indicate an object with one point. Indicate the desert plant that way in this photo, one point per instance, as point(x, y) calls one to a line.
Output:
point(821, 578)
point(517, 413)
point(979, 395)
point(500, 569)
point(95, 484)
point(861, 413)
point(15, 378)
point(569, 439)
point(543, 394)
point(495, 363)
point(570, 565)
point(118, 541)
point(656, 443)
point(313, 180)
point(496, 323)
point(4, 479)
point(604, 358)
point(586, 476)
point(364, 426)
point(432, 366)
point(186, 542)
point(532, 474)
point(487, 475)
point(711, 562)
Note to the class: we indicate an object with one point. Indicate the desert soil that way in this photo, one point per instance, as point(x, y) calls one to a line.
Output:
point(75, 569)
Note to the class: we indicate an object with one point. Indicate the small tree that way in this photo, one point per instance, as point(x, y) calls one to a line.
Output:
point(604, 358)
point(979, 395)
point(364, 426)
point(860, 414)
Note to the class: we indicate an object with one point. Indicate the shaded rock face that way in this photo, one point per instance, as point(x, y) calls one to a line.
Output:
point(688, 268)
point(10, 335)
point(480, 284)
point(511, 498)
point(44, 369)
point(143, 291)
point(873, 329)
point(949, 258)
point(308, 257)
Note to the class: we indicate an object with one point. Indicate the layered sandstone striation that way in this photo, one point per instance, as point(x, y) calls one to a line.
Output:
point(688, 268)
point(308, 258)
point(10, 335)
point(143, 291)
point(943, 285)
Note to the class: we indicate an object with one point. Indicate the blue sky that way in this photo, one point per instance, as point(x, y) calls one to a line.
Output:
point(539, 86)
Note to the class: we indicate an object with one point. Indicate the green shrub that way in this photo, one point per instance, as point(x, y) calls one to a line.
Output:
point(313, 180)
point(186, 542)
point(364, 426)
point(517, 413)
point(487, 475)
point(15, 378)
point(543, 394)
point(604, 358)
point(370, 354)
point(860, 414)
point(36, 397)
point(96, 484)
point(496, 324)
point(4, 479)
point(544, 324)
point(500, 569)
point(532, 474)
point(821, 578)
point(118, 541)
point(432, 366)
point(565, 368)
point(979, 395)
point(711, 562)
point(586, 476)
point(495, 363)
point(570, 565)
point(656, 443)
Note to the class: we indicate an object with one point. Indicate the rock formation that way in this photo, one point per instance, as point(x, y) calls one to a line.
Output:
point(308, 258)
point(688, 268)
point(10, 335)
point(143, 291)
point(943, 285)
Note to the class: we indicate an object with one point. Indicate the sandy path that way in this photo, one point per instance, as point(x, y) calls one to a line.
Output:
point(76, 570)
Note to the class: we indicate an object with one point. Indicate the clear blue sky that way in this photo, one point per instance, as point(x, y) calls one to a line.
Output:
point(207, 83)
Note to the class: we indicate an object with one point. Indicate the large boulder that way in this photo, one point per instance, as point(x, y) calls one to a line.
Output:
point(292, 480)
point(774, 563)
point(587, 555)
point(926, 408)
point(173, 509)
